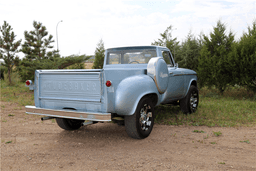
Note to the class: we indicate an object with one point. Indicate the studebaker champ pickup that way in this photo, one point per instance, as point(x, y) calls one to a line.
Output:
point(132, 82)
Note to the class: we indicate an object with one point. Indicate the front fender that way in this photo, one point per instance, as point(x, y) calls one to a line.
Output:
point(193, 80)
point(130, 91)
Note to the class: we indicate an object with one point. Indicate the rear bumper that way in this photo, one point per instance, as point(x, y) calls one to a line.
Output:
point(69, 114)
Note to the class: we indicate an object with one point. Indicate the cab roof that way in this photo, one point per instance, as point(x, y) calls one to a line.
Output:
point(134, 48)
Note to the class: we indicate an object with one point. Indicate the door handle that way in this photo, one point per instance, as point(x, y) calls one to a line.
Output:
point(171, 73)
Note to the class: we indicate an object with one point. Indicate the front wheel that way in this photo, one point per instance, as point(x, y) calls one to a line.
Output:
point(69, 124)
point(140, 124)
point(190, 103)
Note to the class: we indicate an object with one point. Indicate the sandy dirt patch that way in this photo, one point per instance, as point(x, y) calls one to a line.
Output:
point(27, 143)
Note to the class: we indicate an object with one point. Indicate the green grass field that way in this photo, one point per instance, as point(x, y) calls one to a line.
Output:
point(236, 107)
point(18, 94)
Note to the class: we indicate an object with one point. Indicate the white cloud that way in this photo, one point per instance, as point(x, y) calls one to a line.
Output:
point(204, 14)
point(123, 22)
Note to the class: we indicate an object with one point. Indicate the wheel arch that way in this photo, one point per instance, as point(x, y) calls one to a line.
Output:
point(153, 97)
point(129, 95)
point(192, 82)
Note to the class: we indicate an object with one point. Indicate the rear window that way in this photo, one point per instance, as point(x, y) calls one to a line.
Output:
point(130, 57)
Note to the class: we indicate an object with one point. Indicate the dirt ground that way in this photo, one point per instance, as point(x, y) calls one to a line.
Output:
point(27, 143)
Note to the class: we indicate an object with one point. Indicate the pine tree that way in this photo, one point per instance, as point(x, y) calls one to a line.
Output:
point(214, 68)
point(37, 44)
point(189, 51)
point(99, 55)
point(39, 54)
point(37, 49)
point(8, 48)
point(243, 59)
point(167, 40)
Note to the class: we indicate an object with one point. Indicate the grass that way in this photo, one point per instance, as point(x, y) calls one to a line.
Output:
point(196, 131)
point(217, 133)
point(246, 141)
point(18, 94)
point(235, 107)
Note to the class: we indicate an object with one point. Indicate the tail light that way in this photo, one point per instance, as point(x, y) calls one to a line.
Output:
point(108, 83)
point(28, 82)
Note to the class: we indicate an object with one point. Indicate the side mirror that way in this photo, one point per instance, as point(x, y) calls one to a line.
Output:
point(176, 65)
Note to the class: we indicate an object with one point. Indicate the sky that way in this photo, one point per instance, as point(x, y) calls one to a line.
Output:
point(123, 22)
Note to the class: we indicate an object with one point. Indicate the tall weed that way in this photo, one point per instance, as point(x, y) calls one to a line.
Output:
point(15, 78)
point(16, 94)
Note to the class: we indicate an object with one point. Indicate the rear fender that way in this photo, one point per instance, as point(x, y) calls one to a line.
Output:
point(130, 91)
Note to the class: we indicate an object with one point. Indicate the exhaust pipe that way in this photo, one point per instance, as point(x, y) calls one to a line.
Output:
point(46, 118)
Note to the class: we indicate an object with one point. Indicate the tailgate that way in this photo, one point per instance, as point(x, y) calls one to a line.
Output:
point(70, 86)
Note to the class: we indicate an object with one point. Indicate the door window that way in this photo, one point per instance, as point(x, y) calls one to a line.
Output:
point(167, 58)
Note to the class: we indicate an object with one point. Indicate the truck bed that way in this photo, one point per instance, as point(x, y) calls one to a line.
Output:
point(73, 94)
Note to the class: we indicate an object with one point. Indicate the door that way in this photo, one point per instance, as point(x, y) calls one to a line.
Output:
point(176, 87)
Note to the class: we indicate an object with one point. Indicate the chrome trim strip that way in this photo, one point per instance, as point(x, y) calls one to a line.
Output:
point(51, 72)
point(91, 116)
point(178, 74)
point(190, 74)
point(182, 74)
point(68, 99)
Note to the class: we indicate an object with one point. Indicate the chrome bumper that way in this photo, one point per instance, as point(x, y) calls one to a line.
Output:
point(90, 116)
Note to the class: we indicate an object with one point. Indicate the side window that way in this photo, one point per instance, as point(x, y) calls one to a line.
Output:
point(114, 58)
point(167, 57)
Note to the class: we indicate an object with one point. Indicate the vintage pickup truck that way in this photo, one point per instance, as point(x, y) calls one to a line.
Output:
point(132, 82)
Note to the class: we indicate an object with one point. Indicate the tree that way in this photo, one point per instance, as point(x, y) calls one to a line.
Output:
point(189, 52)
point(38, 54)
point(167, 40)
point(2, 70)
point(37, 49)
point(214, 68)
point(37, 45)
point(8, 48)
point(99, 55)
point(243, 59)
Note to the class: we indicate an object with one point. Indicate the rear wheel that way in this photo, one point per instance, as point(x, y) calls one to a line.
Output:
point(69, 124)
point(189, 103)
point(140, 124)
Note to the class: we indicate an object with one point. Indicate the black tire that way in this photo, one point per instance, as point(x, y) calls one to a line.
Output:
point(190, 102)
point(69, 124)
point(140, 124)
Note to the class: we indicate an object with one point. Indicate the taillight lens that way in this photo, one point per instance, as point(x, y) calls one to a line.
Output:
point(108, 83)
point(28, 82)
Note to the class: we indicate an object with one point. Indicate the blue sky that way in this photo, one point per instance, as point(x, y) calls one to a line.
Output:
point(124, 22)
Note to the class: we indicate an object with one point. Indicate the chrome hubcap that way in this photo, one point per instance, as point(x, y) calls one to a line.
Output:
point(193, 101)
point(145, 115)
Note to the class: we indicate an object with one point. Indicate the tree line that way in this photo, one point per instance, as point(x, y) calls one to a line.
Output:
point(218, 58)
point(38, 51)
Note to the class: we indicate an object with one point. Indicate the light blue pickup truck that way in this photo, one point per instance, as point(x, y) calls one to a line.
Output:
point(132, 82)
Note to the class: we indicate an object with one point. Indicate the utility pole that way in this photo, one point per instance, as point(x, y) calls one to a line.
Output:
point(57, 34)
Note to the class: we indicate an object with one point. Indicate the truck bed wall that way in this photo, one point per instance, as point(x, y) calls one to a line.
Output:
point(80, 90)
